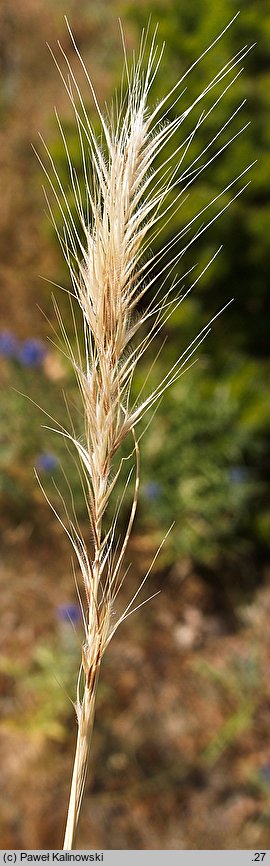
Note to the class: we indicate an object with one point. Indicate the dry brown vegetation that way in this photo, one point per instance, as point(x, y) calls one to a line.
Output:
point(30, 87)
point(180, 750)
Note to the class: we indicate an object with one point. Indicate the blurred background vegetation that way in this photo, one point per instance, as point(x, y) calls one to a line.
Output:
point(205, 458)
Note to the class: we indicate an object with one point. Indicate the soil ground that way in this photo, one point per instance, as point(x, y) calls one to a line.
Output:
point(180, 756)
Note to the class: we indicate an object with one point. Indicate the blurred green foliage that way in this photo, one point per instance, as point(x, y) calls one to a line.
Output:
point(208, 448)
point(43, 687)
point(205, 452)
point(187, 30)
point(32, 402)
point(237, 688)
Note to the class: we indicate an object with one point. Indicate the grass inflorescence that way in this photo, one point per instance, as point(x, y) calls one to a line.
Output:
point(125, 293)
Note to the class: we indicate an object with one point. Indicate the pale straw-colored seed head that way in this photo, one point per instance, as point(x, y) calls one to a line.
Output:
point(128, 193)
point(128, 188)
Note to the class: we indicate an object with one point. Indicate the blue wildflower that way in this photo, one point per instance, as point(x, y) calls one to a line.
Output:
point(31, 353)
point(69, 612)
point(46, 462)
point(237, 474)
point(265, 773)
point(8, 344)
point(151, 490)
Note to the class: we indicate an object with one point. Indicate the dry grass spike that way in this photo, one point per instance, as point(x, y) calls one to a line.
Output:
point(128, 194)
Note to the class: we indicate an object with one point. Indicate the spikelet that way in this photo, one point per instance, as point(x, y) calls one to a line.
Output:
point(129, 193)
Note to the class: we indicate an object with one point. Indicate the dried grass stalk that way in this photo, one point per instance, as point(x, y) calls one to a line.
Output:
point(128, 192)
